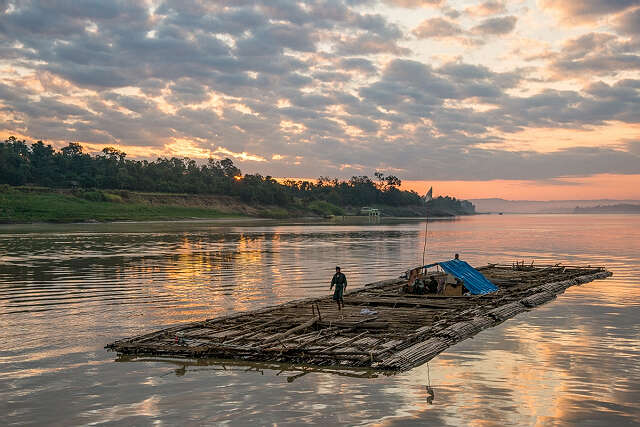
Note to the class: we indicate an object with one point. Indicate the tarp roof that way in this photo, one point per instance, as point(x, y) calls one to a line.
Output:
point(473, 280)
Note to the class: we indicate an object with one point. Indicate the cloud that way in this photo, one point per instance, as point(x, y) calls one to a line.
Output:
point(629, 23)
point(486, 9)
point(362, 65)
point(188, 91)
point(273, 39)
point(378, 25)
point(585, 11)
point(331, 87)
point(634, 147)
point(442, 28)
point(496, 26)
point(412, 4)
point(594, 54)
point(365, 44)
point(600, 103)
point(406, 84)
point(332, 76)
point(532, 166)
point(372, 35)
point(437, 28)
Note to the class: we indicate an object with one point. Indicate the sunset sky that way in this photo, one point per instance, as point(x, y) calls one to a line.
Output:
point(533, 100)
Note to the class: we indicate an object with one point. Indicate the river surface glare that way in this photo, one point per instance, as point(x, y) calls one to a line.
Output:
point(68, 290)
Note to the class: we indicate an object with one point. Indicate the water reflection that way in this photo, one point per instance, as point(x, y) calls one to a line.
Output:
point(289, 371)
point(66, 291)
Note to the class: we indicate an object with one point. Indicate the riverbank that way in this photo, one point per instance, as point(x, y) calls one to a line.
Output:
point(29, 204)
point(44, 205)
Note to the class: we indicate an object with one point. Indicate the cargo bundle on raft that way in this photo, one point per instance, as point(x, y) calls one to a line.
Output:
point(392, 325)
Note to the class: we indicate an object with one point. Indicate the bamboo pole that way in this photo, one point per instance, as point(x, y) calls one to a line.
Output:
point(418, 333)
point(243, 332)
point(288, 332)
point(349, 341)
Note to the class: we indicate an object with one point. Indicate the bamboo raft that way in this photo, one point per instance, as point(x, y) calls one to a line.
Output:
point(406, 330)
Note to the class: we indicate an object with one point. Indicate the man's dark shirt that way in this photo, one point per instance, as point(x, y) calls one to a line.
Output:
point(433, 286)
point(339, 279)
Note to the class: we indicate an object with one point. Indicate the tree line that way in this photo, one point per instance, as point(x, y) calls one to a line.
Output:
point(71, 167)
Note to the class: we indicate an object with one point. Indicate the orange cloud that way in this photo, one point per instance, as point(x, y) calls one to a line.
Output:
point(412, 4)
point(487, 8)
point(579, 12)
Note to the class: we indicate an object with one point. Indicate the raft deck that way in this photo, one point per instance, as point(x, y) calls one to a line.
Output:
point(405, 331)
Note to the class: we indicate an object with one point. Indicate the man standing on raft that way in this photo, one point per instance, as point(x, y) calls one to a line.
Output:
point(340, 280)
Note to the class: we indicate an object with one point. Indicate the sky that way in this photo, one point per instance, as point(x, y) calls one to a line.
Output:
point(521, 99)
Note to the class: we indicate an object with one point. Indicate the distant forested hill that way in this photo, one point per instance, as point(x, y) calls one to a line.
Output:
point(449, 206)
point(619, 208)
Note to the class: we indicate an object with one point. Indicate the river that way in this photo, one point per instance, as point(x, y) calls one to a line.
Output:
point(68, 290)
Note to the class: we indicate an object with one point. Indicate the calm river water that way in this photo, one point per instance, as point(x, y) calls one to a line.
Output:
point(67, 290)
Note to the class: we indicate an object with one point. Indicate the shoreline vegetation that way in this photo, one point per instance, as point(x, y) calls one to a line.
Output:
point(41, 184)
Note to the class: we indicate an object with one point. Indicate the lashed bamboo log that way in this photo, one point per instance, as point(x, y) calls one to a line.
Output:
point(288, 332)
point(340, 344)
point(397, 338)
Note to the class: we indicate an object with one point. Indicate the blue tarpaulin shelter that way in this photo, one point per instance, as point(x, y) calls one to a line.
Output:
point(473, 280)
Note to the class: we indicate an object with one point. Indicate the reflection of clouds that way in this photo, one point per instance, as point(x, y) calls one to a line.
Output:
point(554, 364)
point(245, 267)
point(565, 362)
point(146, 408)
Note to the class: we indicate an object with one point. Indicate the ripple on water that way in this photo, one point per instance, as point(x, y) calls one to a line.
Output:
point(67, 291)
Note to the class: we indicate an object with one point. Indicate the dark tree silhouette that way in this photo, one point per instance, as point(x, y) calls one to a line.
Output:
point(70, 167)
